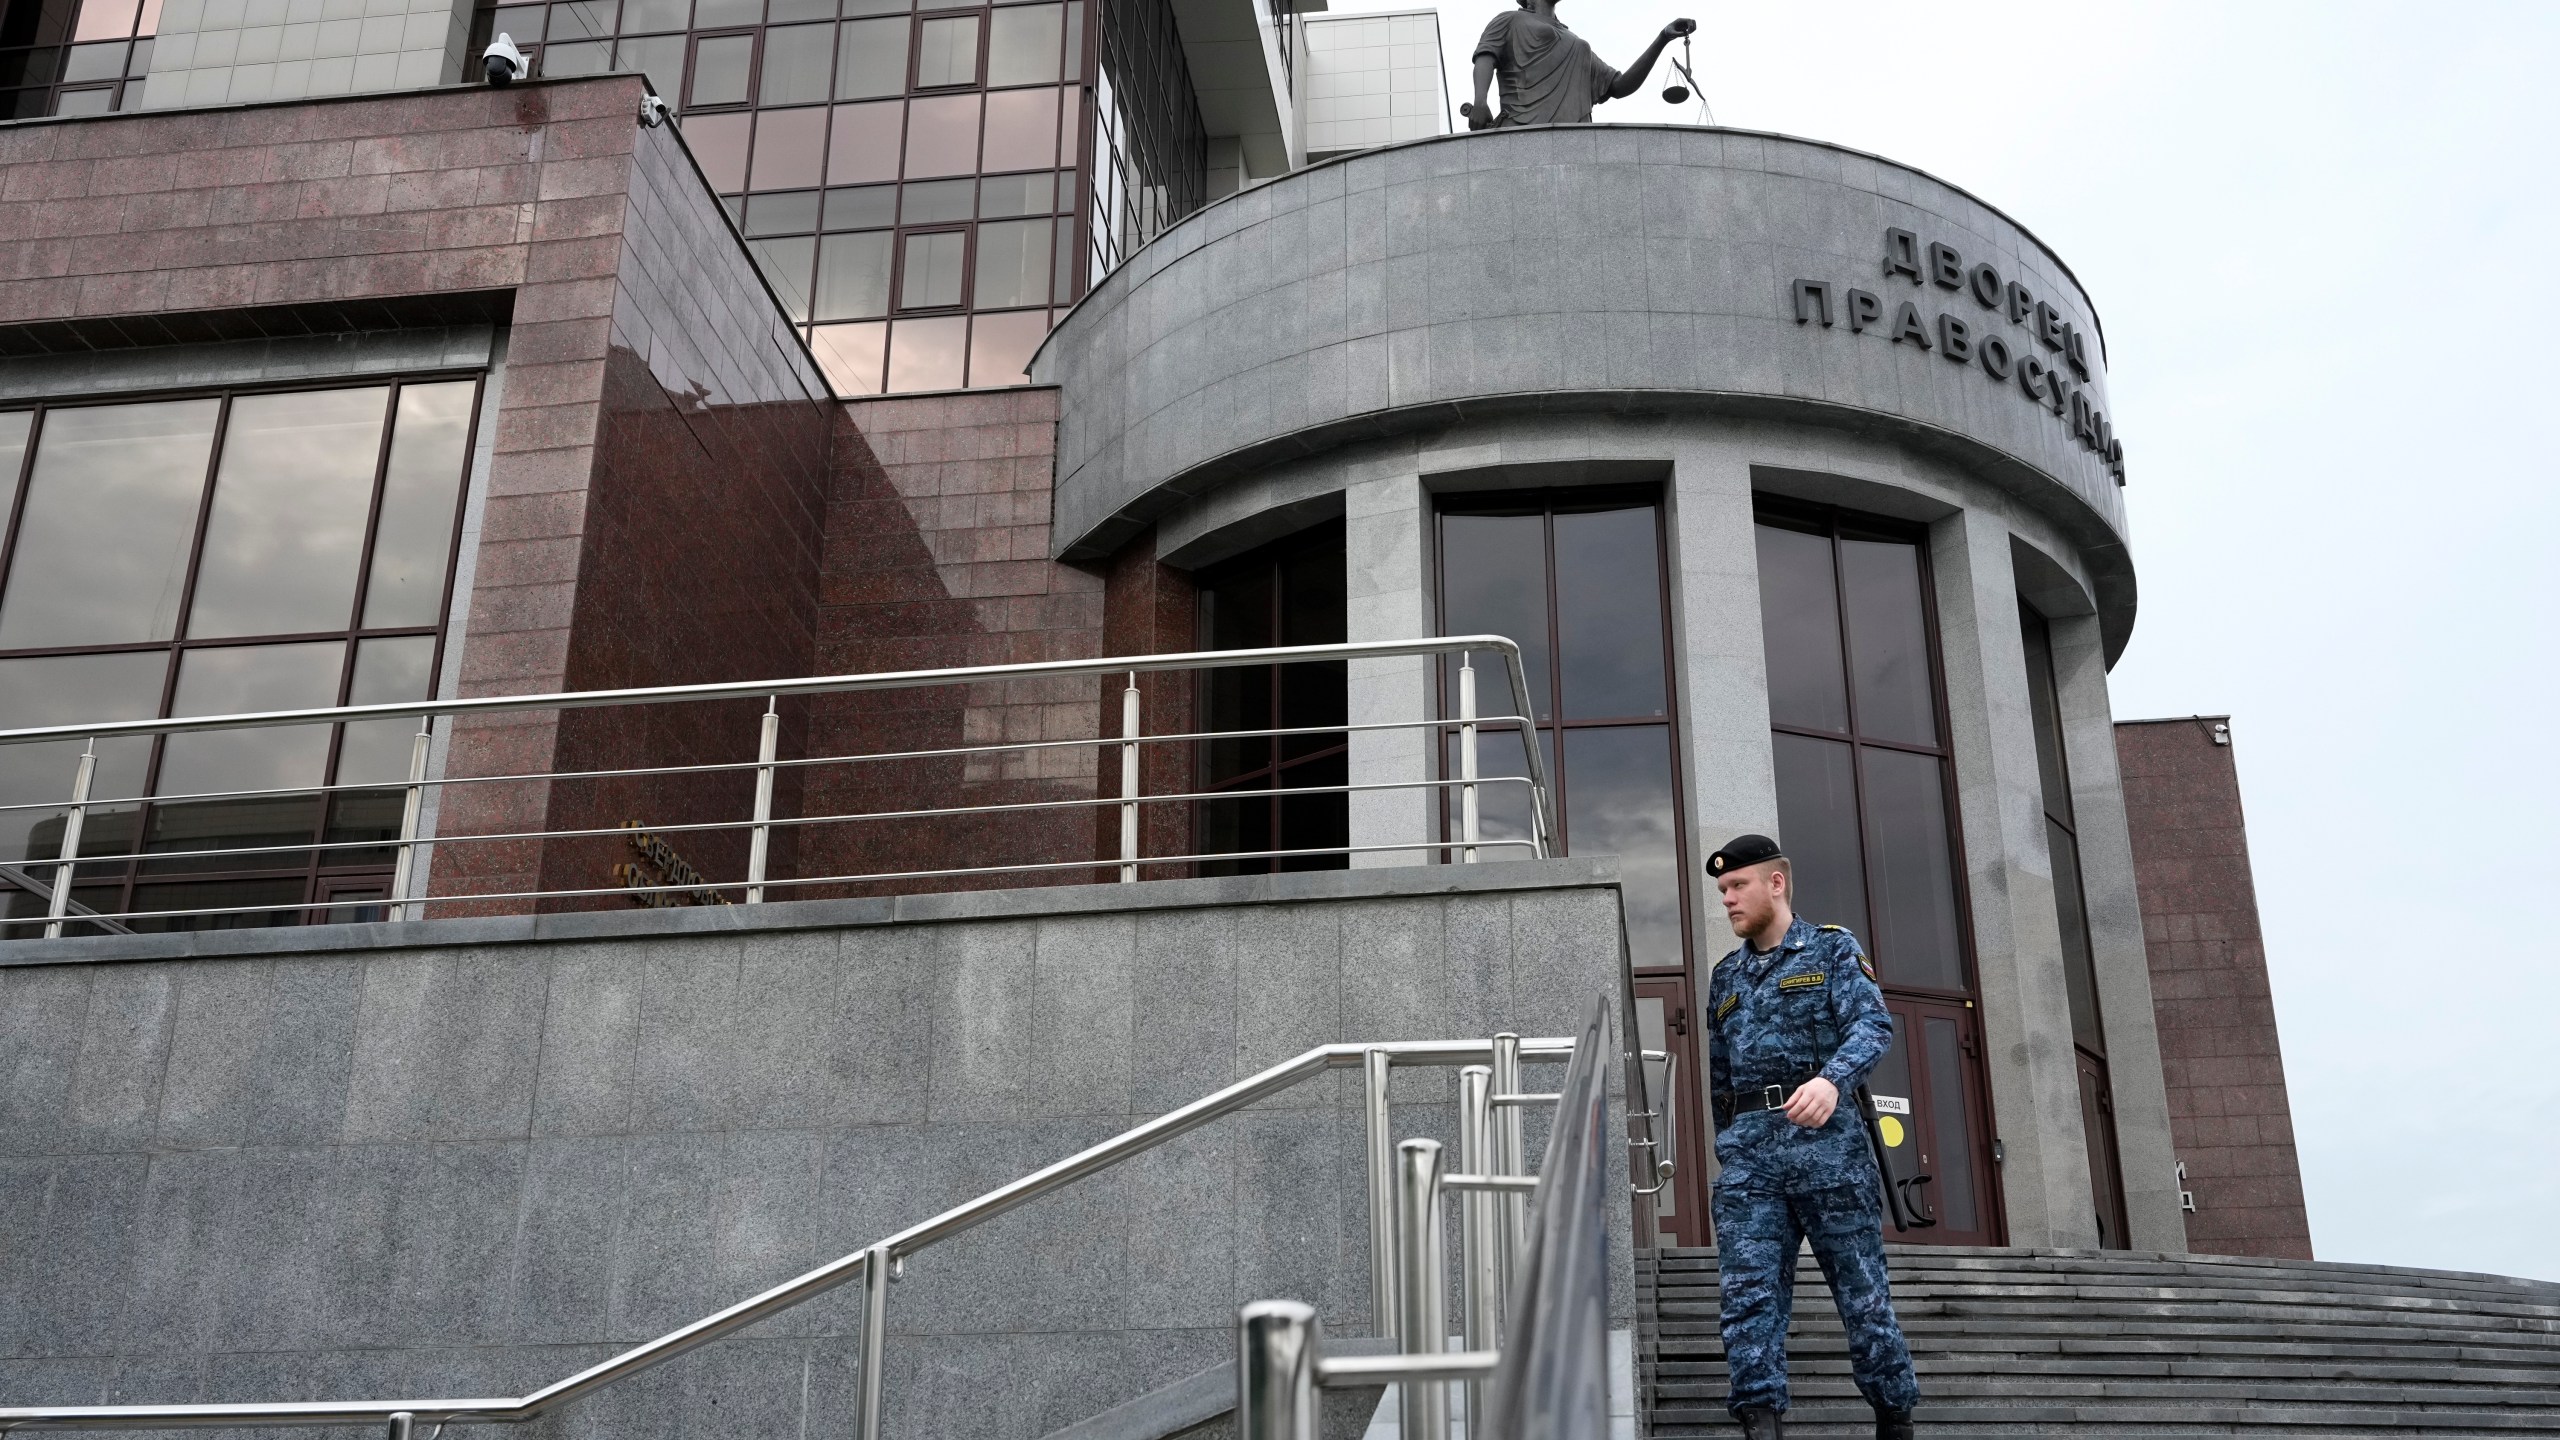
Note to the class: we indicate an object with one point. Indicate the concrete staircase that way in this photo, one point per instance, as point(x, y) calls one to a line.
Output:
point(2083, 1343)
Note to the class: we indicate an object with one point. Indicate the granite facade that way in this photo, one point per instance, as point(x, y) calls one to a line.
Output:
point(459, 1159)
point(2219, 1050)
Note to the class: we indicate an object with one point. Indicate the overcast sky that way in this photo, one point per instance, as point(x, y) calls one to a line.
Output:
point(2323, 239)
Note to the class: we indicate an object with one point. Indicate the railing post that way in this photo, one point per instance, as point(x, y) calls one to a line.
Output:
point(403, 1423)
point(72, 820)
point(1423, 1327)
point(875, 1337)
point(412, 805)
point(1382, 1191)
point(1477, 1226)
point(1129, 781)
point(760, 840)
point(1276, 1344)
point(1508, 1157)
point(1467, 756)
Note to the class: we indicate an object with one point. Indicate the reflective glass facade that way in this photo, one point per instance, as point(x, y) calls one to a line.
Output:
point(210, 555)
point(74, 57)
point(926, 186)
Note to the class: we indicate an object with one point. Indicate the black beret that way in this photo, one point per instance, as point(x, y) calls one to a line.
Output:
point(1740, 851)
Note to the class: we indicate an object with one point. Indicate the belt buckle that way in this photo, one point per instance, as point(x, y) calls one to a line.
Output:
point(1773, 1097)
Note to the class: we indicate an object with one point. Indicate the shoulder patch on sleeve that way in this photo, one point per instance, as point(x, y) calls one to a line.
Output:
point(1868, 966)
point(1727, 1007)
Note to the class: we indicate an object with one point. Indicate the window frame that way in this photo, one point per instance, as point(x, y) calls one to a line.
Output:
point(316, 869)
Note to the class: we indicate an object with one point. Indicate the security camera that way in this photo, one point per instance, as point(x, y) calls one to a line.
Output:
point(503, 61)
point(653, 111)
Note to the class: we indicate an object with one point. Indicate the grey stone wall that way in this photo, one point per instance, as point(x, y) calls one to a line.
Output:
point(1616, 268)
point(470, 1157)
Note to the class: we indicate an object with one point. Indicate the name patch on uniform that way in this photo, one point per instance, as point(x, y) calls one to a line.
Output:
point(1801, 982)
point(1727, 1007)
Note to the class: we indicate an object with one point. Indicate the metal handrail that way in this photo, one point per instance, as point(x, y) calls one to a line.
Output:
point(873, 1263)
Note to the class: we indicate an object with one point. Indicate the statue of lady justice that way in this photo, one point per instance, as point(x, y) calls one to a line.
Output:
point(1549, 75)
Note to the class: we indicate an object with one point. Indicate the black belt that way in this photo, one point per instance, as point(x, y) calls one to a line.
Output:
point(1751, 1100)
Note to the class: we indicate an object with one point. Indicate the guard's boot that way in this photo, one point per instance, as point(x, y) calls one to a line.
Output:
point(1759, 1423)
point(1893, 1425)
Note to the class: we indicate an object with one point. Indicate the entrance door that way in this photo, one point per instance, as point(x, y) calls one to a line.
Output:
point(1930, 1116)
point(1665, 1023)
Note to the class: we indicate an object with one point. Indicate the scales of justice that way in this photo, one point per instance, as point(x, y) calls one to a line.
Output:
point(1550, 76)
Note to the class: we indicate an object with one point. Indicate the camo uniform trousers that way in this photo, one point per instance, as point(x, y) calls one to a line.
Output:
point(1756, 1239)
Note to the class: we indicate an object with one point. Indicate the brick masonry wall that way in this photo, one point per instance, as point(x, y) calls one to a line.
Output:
point(2228, 1110)
point(654, 503)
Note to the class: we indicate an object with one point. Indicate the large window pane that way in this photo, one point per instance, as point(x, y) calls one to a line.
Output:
point(1609, 613)
point(785, 263)
point(290, 500)
point(928, 354)
point(1494, 576)
point(1013, 264)
point(1911, 874)
point(930, 276)
point(1023, 44)
point(871, 58)
point(14, 426)
point(1800, 630)
point(947, 52)
point(413, 539)
point(789, 144)
point(660, 57)
point(796, 61)
point(2079, 966)
point(853, 356)
point(721, 69)
point(110, 514)
point(2050, 771)
point(232, 680)
point(66, 690)
point(942, 137)
point(1889, 640)
point(1022, 130)
point(399, 668)
point(1000, 346)
point(1957, 1207)
point(1618, 792)
point(1818, 825)
point(863, 145)
point(853, 276)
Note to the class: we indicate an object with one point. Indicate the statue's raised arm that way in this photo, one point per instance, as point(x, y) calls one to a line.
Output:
point(1549, 74)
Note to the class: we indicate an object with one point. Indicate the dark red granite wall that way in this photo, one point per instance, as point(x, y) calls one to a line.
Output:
point(2228, 1110)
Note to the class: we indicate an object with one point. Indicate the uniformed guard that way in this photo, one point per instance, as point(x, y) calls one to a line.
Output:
point(1795, 1023)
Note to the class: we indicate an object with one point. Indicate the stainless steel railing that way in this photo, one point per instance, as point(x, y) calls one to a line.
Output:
point(1535, 1313)
point(875, 1265)
point(54, 881)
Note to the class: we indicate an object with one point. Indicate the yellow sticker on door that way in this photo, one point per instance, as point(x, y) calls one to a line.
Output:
point(1891, 1129)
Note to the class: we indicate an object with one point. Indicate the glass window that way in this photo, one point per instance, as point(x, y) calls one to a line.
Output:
point(520, 23)
point(103, 20)
point(1288, 593)
point(722, 65)
point(878, 7)
point(1800, 630)
point(947, 52)
point(1818, 822)
point(790, 146)
point(1023, 44)
point(789, 212)
point(853, 276)
point(721, 14)
point(1022, 129)
point(1910, 874)
point(937, 202)
point(397, 668)
point(14, 427)
point(304, 486)
point(930, 272)
point(583, 20)
point(1062, 286)
point(862, 208)
point(1000, 195)
point(797, 59)
point(660, 57)
point(290, 501)
point(942, 136)
point(421, 502)
point(719, 145)
point(1576, 579)
point(94, 62)
point(1000, 346)
point(785, 262)
point(642, 16)
point(1013, 263)
point(784, 11)
point(585, 57)
point(852, 356)
point(100, 556)
point(871, 58)
point(929, 354)
point(1888, 640)
point(863, 144)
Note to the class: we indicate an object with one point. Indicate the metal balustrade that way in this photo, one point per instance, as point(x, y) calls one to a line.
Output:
point(1411, 1193)
point(1535, 1297)
point(54, 881)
